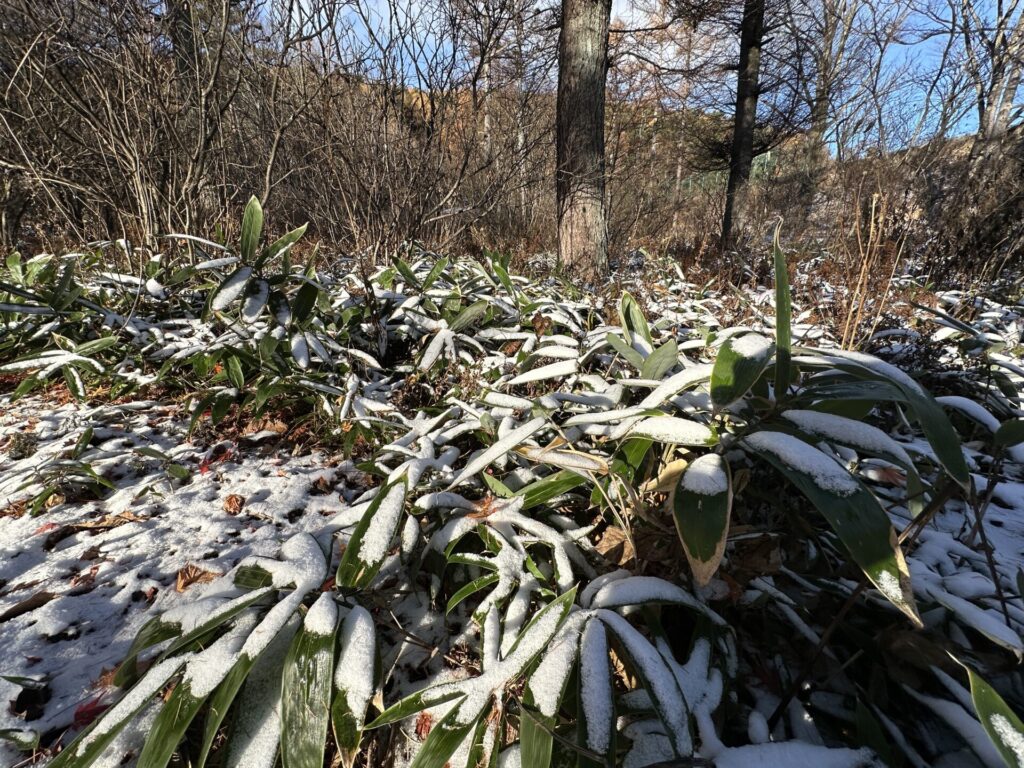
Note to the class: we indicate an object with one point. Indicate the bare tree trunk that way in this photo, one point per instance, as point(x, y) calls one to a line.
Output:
point(747, 85)
point(579, 178)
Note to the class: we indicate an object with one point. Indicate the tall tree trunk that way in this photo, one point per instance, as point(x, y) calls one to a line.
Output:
point(747, 92)
point(579, 179)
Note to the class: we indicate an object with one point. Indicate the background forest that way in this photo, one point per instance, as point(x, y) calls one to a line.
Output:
point(877, 128)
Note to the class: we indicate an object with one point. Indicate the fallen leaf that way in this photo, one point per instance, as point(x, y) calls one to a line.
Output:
point(85, 578)
point(233, 504)
point(15, 509)
point(106, 678)
point(615, 545)
point(484, 508)
point(193, 574)
point(88, 711)
point(423, 724)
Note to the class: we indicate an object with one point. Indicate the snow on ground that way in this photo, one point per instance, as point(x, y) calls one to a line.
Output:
point(79, 580)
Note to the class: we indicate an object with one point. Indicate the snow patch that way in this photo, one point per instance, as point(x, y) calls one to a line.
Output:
point(706, 476)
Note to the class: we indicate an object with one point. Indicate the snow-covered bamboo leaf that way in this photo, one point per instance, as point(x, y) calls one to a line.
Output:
point(701, 506)
point(25, 739)
point(300, 349)
point(372, 538)
point(354, 681)
point(545, 690)
point(550, 371)
point(89, 744)
point(646, 590)
point(254, 735)
point(740, 362)
point(672, 429)
point(255, 300)
point(26, 309)
point(850, 508)
point(934, 423)
point(203, 673)
point(500, 448)
point(577, 461)
point(657, 678)
point(596, 695)
point(232, 287)
point(306, 684)
point(279, 307)
point(187, 624)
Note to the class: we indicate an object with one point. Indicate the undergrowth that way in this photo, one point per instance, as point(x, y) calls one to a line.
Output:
point(597, 535)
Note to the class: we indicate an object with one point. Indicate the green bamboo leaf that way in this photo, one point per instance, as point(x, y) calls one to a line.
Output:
point(701, 506)
point(783, 318)
point(1010, 433)
point(661, 361)
point(407, 274)
point(629, 354)
point(1001, 723)
point(497, 487)
point(850, 508)
point(445, 737)
point(468, 317)
point(439, 266)
point(468, 589)
point(252, 226)
point(304, 301)
point(542, 491)
point(740, 362)
point(282, 244)
point(306, 687)
point(417, 702)
point(633, 322)
point(96, 345)
point(235, 374)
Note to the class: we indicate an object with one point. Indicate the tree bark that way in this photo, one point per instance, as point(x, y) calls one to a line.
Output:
point(747, 92)
point(579, 179)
